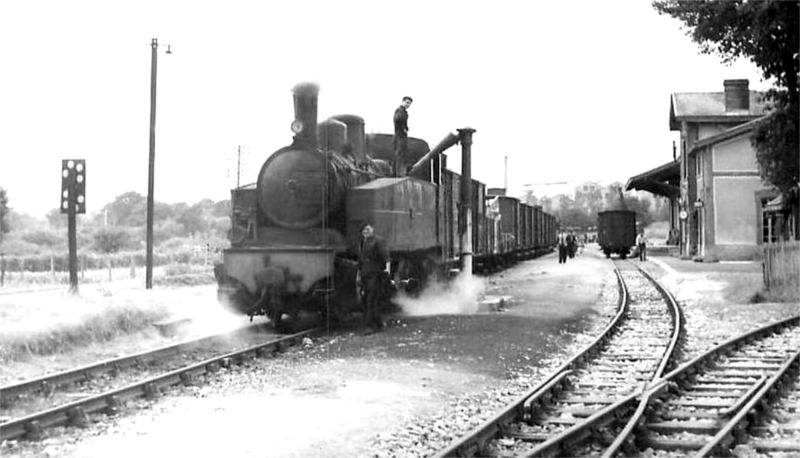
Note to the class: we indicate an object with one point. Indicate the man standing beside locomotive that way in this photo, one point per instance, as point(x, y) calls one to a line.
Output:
point(400, 140)
point(372, 273)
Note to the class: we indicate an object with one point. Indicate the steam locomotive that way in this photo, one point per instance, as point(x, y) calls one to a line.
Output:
point(294, 232)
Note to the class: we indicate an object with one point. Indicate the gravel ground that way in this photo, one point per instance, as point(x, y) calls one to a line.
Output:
point(409, 390)
point(714, 300)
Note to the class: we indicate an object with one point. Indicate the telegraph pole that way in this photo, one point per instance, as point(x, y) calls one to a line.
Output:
point(2, 254)
point(238, 164)
point(151, 169)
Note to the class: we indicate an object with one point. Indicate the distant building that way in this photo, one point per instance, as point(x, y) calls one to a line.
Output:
point(717, 197)
point(589, 187)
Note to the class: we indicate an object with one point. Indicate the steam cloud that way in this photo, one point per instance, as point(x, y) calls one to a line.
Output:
point(458, 297)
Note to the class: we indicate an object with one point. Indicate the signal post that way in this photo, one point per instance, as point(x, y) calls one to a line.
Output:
point(73, 201)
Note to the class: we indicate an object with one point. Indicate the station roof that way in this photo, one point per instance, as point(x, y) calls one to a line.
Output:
point(662, 181)
point(777, 205)
point(710, 107)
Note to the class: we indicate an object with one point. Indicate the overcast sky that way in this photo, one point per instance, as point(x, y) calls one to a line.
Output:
point(568, 91)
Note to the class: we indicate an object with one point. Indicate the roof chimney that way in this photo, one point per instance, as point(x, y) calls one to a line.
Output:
point(737, 95)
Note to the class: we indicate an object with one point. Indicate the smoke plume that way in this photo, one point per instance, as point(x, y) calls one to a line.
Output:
point(459, 297)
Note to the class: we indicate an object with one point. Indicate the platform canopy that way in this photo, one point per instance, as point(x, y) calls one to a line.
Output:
point(662, 181)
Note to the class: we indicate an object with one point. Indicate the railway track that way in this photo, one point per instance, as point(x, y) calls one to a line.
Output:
point(68, 398)
point(742, 393)
point(576, 409)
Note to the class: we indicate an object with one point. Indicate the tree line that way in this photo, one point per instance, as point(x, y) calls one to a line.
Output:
point(118, 226)
point(121, 225)
point(580, 210)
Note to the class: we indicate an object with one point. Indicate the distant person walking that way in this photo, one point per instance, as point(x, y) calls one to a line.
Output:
point(562, 247)
point(400, 140)
point(372, 260)
point(572, 244)
point(641, 243)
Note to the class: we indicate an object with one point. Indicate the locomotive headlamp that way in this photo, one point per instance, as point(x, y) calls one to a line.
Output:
point(297, 126)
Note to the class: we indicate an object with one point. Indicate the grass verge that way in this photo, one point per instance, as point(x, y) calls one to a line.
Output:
point(103, 326)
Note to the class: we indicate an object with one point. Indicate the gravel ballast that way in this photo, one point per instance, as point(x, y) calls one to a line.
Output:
point(406, 391)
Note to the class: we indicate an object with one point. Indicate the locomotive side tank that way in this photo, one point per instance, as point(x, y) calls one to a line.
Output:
point(402, 210)
point(616, 232)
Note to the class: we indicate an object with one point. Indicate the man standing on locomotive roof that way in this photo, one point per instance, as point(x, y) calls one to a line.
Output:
point(400, 140)
point(372, 274)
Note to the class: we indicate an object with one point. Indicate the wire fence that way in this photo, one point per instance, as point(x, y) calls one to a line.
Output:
point(25, 272)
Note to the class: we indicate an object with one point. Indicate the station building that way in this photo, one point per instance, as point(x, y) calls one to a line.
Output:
point(720, 208)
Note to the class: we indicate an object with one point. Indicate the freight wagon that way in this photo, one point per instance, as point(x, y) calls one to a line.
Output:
point(616, 232)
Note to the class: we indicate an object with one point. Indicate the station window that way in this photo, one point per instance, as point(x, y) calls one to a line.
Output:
point(698, 164)
point(769, 232)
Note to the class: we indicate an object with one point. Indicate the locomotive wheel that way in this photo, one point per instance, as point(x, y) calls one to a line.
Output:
point(240, 301)
point(331, 315)
point(284, 323)
point(285, 316)
point(276, 317)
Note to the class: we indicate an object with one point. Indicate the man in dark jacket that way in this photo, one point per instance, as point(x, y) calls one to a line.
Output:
point(400, 140)
point(372, 260)
point(562, 247)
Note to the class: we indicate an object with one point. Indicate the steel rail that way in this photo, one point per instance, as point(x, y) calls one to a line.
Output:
point(626, 434)
point(475, 438)
point(727, 432)
point(694, 363)
point(626, 407)
point(747, 401)
point(46, 382)
point(76, 412)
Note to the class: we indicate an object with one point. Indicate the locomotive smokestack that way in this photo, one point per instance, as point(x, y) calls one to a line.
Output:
point(356, 136)
point(305, 114)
